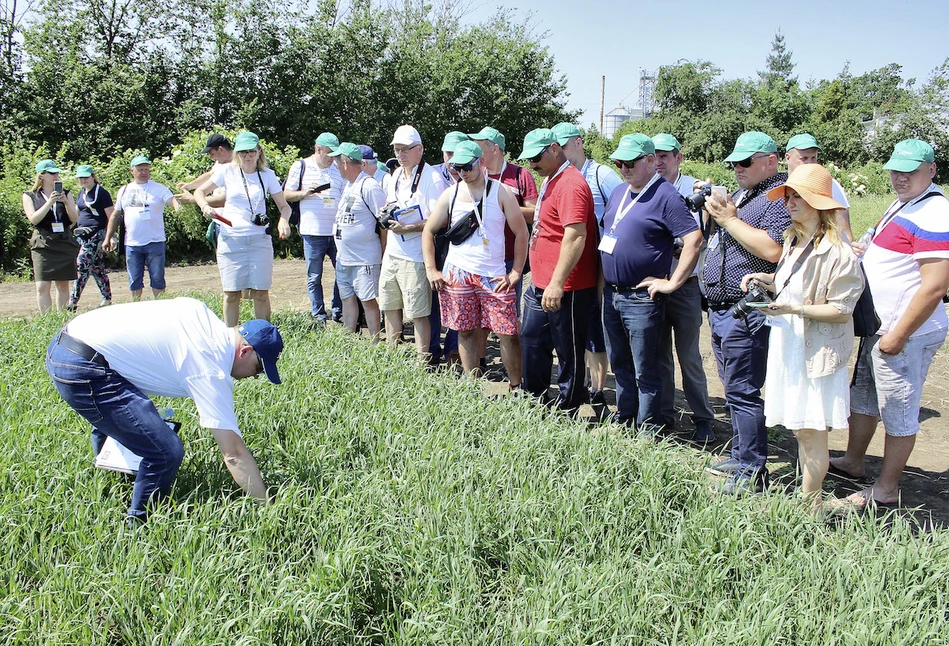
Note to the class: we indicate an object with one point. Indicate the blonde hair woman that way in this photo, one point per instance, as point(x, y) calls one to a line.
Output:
point(245, 248)
point(53, 250)
point(815, 287)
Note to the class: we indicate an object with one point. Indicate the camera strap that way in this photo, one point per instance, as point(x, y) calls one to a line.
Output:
point(797, 264)
point(415, 180)
point(263, 192)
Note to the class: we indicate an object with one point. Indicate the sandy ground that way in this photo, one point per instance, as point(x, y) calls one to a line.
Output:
point(924, 486)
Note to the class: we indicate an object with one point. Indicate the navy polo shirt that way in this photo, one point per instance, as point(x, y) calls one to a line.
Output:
point(646, 235)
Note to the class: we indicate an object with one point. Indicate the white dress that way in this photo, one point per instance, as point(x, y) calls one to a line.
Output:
point(792, 399)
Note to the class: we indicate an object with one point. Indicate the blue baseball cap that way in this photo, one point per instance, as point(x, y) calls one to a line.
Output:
point(368, 153)
point(266, 341)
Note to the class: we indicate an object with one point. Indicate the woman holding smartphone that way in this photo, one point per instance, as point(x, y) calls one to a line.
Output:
point(245, 248)
point(53, 250)
point(815, 287)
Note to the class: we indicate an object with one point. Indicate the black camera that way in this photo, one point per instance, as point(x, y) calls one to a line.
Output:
point(387, 215)
point(260, 219)
point(756, 294)
point(84, 233)
point(696, 201)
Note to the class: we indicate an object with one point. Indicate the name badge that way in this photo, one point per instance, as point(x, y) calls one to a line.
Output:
point(485, 242)
point(713, 241)
point(783, 322)
point(58, 227)
point(139, 212)
point(329, 200)
point(607, 244)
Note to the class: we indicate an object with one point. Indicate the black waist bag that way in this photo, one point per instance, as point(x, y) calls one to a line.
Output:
point(865, 320)
point(468, 223)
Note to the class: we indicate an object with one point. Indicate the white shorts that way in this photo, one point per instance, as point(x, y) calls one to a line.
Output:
point(245, 262)
point(361, 281)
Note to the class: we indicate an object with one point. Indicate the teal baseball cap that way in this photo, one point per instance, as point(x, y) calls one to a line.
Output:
point(327, 139)
point(536, 140)
point(909, 154)
point(139, 160)
point(665, 141)
point(347, 149)
point(565, 131)
point(466, 152)
point(85, 170)
point(750, 143)
point(452, 139)
point(47, 166)
point(245, 141)
point(490, 134)
point(802, 141)
point(633, 147)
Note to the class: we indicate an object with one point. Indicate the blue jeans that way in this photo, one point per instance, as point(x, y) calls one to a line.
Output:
point(684, 318)
point(434, 341)
point(136, 258)
point(315, 249)
point(563, 330)
point(633, 324)
point(118, 409)
point(741, 351)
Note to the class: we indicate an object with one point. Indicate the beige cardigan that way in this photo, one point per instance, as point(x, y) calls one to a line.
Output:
point(831, 274)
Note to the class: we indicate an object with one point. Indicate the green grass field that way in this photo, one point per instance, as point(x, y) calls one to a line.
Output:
point(411, 510)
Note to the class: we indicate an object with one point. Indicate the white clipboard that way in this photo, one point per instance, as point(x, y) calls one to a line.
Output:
point(115, 457)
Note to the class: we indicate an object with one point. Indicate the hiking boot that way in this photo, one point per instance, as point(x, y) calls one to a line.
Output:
point(598, 398)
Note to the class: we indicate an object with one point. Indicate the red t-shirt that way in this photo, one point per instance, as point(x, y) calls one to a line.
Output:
point(567, 201)
point(522, 185)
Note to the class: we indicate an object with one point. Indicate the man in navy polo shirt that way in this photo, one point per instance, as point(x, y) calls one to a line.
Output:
point(683, 316)
point(643, 218)
point(748, 240)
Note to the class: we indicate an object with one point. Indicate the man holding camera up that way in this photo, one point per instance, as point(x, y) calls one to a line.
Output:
point(683, 315)
point(403, 286)
point(643, 218)
point(320, 186)
point(748, 236)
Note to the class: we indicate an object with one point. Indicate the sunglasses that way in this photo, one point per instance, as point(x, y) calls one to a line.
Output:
point(622, 163)
point(464, 168)
point(536, 158)
point(746, 163)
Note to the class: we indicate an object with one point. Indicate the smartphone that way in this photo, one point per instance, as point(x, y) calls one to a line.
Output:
point(58, 187)
point(320, 188)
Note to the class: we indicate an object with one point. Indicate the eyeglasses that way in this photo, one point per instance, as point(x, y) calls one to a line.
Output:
point(464, 168)
point(622, 163)
point(536, 158)
point(247, 152)
point(402, 151)
point(746, 163)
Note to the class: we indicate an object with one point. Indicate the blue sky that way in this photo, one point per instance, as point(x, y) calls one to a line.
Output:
point(592, 38)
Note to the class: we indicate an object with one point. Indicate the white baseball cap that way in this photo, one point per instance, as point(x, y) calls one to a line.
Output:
point(406, 136)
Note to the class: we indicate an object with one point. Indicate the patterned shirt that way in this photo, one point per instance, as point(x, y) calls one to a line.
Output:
point(726, 261)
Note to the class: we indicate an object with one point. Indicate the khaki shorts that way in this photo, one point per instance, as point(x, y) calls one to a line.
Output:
point(403, 285)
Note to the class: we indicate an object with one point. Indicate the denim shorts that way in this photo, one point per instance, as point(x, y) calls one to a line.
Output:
point(890, 386)
point(152, 255)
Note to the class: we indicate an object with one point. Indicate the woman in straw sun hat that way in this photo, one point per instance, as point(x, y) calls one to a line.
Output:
point(814, 288)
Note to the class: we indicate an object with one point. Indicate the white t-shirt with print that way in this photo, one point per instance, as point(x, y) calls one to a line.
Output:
point(430, 187)
point(920, 230)
point(143, 209)
point(317, 211)
point(238, 186)
point(171, 348)
point(357, 242)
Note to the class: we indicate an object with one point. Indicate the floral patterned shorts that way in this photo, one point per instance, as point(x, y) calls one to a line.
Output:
point(469, 302)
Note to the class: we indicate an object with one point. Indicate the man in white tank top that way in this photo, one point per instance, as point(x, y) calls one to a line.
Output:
point(475, 292)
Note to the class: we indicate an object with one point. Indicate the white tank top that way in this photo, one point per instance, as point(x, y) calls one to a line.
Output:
point(483, 252)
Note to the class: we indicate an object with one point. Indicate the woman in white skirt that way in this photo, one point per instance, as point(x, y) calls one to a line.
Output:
point(815, 288)
point(244, 247)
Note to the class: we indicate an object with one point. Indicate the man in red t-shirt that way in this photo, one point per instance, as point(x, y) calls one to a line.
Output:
point(564, 268)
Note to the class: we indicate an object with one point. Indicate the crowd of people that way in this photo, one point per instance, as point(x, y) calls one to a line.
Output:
point(622, 262)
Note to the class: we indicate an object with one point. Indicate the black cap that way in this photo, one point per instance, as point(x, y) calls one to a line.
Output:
point(214, 141)
point(392, 163)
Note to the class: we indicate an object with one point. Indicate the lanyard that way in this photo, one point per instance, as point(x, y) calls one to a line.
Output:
point(797, 264)
point(543, 190)
point(57, 216)
point(888, 216)
point(623, 211)
point(85, 199)
point(263, 191)
point(487, 175)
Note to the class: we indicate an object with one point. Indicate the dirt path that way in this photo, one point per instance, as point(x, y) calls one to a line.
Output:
point(925, 485)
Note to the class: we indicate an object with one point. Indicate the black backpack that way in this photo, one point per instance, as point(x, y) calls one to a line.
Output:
point(295, 206)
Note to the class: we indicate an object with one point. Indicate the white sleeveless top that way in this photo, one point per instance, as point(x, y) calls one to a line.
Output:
point(483, 252)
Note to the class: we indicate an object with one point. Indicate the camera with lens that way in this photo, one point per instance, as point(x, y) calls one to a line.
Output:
point(756, 294)
point(260, 219)
point(387, 215)
point(696, 201)
point(84, 233)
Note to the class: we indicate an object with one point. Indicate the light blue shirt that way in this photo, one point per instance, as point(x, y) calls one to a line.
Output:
point(602, 180)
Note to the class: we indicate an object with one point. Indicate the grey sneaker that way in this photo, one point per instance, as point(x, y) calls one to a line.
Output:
point(740, 484)
point(725, 467)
